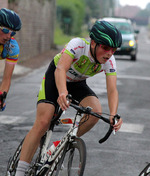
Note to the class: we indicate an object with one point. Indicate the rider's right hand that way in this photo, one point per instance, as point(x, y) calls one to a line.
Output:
point(62, 101)
point(2, 100)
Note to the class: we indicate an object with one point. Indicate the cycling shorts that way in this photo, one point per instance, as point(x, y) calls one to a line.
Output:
point(49, 94)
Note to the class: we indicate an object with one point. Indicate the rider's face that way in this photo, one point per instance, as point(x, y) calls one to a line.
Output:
point(102, 55)
point(4, 37)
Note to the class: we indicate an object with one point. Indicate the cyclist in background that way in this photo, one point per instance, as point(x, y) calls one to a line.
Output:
point(67, 74)
point(9, 49)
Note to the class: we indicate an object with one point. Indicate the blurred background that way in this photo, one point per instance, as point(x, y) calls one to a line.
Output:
point(49, 23)
point(46, 26)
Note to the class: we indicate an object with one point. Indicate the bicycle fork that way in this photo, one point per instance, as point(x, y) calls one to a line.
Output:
point(52, 161)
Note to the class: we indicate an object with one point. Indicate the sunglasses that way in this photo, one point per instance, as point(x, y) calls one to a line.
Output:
point(108, 48)
point(6, 31)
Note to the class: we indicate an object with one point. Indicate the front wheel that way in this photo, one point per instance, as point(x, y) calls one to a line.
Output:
point(73, 159)
point(146, 171)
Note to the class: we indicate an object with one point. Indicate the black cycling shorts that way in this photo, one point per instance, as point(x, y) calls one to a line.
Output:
point(48, 92)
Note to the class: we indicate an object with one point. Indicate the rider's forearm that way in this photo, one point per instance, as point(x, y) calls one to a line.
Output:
point(5, 85)
point(113, 101)
point(7, 75)
point(60, 79)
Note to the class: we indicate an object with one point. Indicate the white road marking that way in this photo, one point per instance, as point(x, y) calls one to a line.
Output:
point(134, 77)
point(132, 128)
point(126, 127)
point(4, 119)
point(26, 128)
point(21, 70)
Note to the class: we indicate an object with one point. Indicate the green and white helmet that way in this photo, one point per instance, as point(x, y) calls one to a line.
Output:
point(105, 33)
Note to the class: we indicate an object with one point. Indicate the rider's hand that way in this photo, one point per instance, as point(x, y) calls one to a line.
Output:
point(2, 100)
point(116, 126)
point(62, 101)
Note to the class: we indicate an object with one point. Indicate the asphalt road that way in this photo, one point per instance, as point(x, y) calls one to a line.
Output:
point(125, 153)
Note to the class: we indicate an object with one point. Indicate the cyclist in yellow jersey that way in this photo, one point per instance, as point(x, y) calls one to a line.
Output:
point(9, 49)
point(67, 74)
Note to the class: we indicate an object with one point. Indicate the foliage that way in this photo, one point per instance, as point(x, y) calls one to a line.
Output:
point(59, 37)
point(92, 9)
point(99, 8)
point(70, 14)
point(14, 1)
point(11, 1)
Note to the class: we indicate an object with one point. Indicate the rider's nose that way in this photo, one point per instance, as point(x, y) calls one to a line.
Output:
point(110, 52)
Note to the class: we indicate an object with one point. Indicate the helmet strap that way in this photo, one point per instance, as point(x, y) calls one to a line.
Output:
point(94, 54)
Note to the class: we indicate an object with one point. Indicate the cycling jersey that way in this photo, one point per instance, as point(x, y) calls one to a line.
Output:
point(48, 92)
point(83, 65)
point(10, 51)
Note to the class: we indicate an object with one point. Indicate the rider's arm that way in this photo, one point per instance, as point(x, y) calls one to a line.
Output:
point(60, 79)
point(6, 81)
point(5, 84)
point(112, 94)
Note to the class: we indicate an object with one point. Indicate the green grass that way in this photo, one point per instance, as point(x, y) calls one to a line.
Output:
point(61, 39)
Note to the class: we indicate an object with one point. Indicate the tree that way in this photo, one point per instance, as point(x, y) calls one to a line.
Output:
point(71, 15)
point(99, 8)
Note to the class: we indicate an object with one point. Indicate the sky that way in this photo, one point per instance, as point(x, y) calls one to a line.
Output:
point(140, 3)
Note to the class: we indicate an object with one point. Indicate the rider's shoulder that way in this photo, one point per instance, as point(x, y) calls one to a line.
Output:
point(11, 49)
point(14, 43)
point(111, 61)
point(79, 41)
point(112, 58)
point(12, 46)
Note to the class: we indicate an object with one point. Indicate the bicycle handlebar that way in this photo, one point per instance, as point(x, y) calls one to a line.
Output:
point(88, 110)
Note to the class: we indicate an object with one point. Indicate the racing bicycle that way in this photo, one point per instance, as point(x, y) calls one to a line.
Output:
point(146, 171)
point(69, 156)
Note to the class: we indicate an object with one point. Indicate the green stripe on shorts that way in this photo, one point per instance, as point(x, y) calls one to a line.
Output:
point(41, 95)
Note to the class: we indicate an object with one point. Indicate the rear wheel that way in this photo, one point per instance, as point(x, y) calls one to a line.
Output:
point(73, 159)
point(13, 162)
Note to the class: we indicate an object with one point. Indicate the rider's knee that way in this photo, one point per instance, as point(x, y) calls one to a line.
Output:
point(41, 126)
point(44, 124)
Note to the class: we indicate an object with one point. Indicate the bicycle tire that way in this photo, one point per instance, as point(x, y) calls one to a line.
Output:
point(146, 171)
point(73, 159)
point(13, 162)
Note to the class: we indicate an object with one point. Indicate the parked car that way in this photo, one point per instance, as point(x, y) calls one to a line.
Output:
point(129, 35)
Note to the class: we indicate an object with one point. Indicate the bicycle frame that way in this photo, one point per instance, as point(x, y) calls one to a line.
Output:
point(53, 159)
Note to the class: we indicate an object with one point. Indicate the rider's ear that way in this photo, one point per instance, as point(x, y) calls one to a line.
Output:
point(93, 44)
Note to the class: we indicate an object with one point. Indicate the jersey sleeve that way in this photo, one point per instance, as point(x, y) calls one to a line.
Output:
point(73, 46)
point(11, 51)
point(110, 67)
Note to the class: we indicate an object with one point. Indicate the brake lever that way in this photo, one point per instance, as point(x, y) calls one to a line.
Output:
point(116, 117)
point(110, 129)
